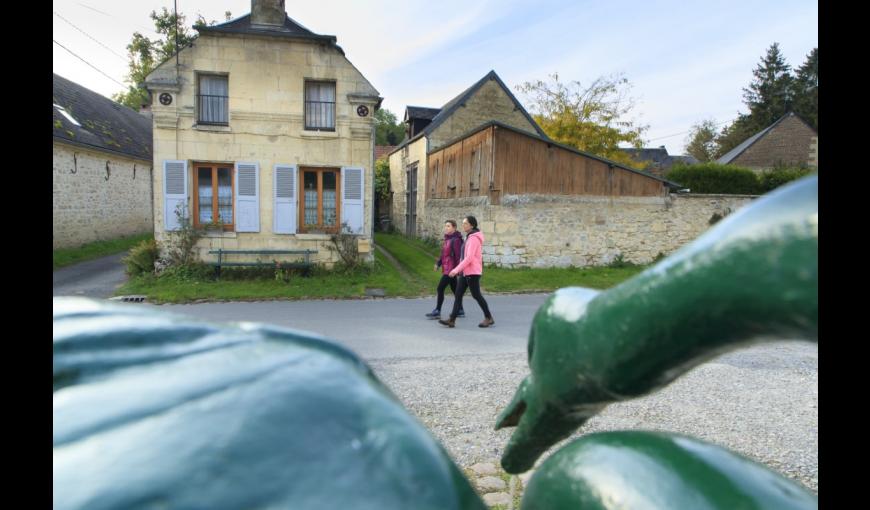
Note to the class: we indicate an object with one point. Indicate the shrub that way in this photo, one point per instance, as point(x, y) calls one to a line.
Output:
point(141, 257)
point(716, 178)
point(772, 179)
point(345, 245)
point(182, 242)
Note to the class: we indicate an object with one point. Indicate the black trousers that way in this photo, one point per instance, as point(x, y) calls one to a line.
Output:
point(442, 284)
point(472, 282)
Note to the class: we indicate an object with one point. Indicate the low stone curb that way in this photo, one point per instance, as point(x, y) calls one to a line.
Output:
point(499, 490)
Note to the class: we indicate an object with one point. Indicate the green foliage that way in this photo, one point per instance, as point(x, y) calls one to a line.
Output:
point(776, 177)
point(806, 90)
point(701, 142)
point(619, 262)
point(715, 178)
point(345, 245)
point(180, 248)
point(388, 131)
point(146, 54)
point(592, 119)
point(771, 93)
point(142, 257)
point(382, 178)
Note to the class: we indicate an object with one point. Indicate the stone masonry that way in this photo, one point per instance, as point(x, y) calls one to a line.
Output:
point(791, 142)
point(90, 204)
point(562, 231)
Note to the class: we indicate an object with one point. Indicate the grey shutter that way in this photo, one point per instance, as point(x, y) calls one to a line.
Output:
point(174, 193)
point(247, 197)
point(352, 195)
point(285, 201)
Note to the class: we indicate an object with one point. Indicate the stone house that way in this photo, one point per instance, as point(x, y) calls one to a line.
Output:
point(101, 180)
point(264, 134)
point(790, 141)
point(428, 129)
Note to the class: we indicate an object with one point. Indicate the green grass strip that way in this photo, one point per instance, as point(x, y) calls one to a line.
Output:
point(68, 256)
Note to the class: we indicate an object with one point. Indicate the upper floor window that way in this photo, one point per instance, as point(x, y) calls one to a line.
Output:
point(212, 101)
point(320, 105)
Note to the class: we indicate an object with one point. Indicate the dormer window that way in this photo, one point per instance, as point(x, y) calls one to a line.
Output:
point(320, 105)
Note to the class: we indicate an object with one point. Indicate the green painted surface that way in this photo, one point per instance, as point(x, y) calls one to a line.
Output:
point(154, 411)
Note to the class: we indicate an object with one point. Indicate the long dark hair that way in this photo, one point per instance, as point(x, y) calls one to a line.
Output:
point(471, 221)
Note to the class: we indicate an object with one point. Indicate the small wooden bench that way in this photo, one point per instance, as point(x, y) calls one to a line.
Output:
point(305, 264)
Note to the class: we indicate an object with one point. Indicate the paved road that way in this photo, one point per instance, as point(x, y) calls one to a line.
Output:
point(96, 278)
point(389, 328)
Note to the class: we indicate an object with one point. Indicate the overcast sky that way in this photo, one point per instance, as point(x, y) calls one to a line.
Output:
point(686, 61)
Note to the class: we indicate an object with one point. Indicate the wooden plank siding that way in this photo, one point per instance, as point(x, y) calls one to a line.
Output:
point(496, 161)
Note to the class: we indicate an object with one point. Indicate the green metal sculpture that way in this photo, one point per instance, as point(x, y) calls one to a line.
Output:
point(157, 411)
point(753, 277)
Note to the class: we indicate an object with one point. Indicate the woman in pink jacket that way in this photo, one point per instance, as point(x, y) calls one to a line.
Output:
point(471, 269)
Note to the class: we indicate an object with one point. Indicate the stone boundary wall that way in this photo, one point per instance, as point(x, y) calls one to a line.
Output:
point(87, 206)
point(561, 231)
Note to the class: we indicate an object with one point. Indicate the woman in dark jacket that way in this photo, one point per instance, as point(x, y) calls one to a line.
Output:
point(451, 251)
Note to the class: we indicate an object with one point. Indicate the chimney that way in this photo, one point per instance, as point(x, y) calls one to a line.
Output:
point(268, 12)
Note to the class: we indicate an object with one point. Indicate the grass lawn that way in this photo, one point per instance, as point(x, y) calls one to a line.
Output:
point(320, 285)
point(67, 256)
point(412, 254)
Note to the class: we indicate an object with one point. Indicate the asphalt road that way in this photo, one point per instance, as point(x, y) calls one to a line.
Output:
point(389, 328)
point(96, 278)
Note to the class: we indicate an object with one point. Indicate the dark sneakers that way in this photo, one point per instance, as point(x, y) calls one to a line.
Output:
point(486, 323)
point(461, 313)
point(434, 314)
point(450, 323)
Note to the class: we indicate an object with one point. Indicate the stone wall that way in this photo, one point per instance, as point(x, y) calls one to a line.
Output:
point(561, 231)
point(88, 207)
point(791, 143)
point(266, 79)
point(414, 152)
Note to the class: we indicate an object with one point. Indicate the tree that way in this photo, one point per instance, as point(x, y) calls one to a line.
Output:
point(734, 134)
point(146, 54)
point(701, 142)
point(806, 89)
point(592, 119)
point(387, 129)
point(770, 95)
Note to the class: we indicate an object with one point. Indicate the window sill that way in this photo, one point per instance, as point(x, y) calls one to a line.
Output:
point(216, 129)
point(216, 234)
point(313, 237)
point(318, 134)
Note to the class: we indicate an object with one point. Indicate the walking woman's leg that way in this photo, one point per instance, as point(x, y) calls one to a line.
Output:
point(442, 284)
point(460, 290)
point(474, 285)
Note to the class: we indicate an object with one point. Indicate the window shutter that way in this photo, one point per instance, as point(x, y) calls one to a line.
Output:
point(247, 197)
point(174, 193)
point(352, 194)
point(285, 201)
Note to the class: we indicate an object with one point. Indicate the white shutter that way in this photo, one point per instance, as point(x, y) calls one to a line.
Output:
point(247, 197)
point(174, 192)
point(352, 194)
point(285, 201)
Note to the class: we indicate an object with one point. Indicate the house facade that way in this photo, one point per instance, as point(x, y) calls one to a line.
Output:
point(429, 129)
point(102, 166)
point(264, 134)
point(790, 141)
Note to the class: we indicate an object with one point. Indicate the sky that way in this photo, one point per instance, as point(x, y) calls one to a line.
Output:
point(685, 61)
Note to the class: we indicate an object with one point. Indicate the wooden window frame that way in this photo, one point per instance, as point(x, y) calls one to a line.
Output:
point(320, 228)
point(214, 189)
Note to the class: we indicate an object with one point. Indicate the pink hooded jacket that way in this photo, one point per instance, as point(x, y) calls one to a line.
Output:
point(472, 255)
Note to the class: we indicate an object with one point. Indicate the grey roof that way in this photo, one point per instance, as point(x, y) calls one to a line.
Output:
point(105, 124)
point(291, 29)
point(670, 184)
point(658, 156)
point(421, 112)
point(451, 106)
point(740, 149)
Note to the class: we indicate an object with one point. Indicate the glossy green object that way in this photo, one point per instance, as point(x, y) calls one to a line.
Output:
point(753, 277)
point(656, 470)
point(156, 411)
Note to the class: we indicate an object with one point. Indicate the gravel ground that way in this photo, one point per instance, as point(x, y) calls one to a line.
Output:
point(761, 402)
